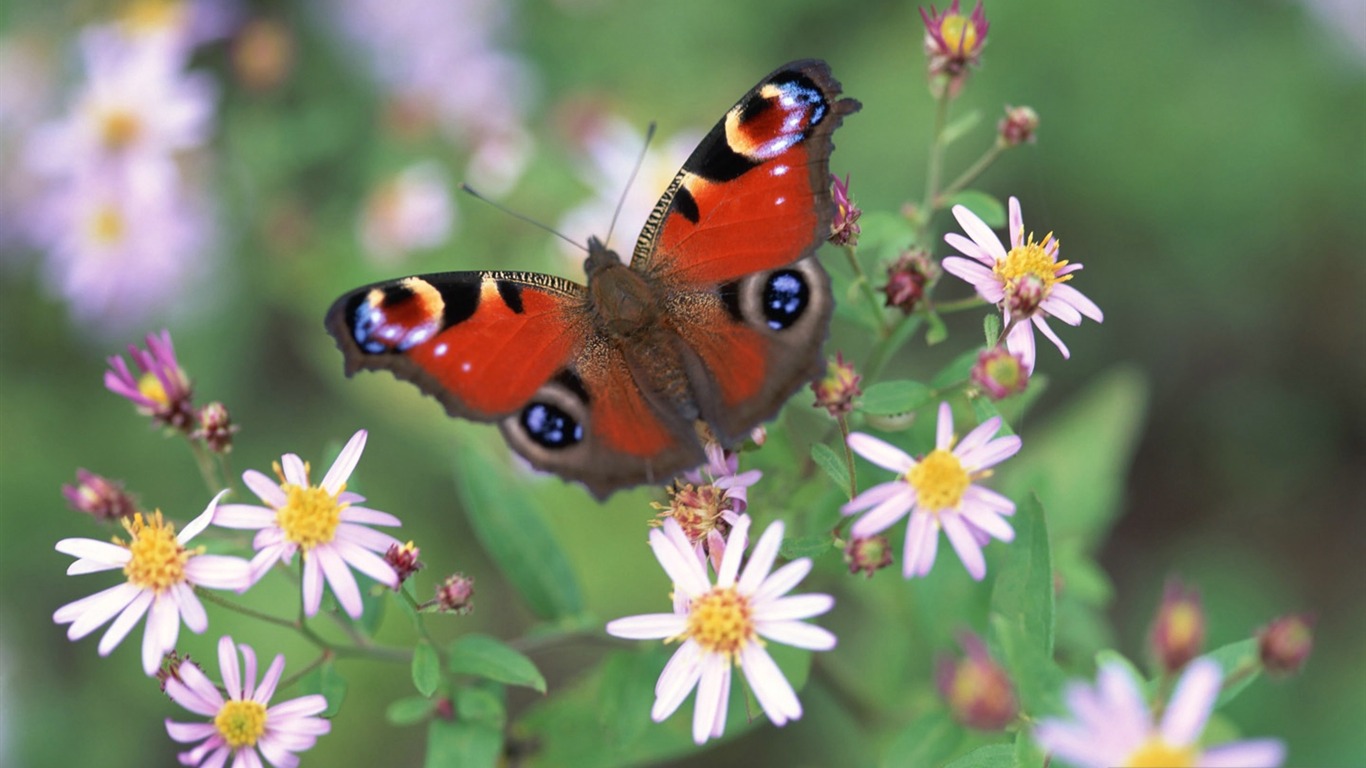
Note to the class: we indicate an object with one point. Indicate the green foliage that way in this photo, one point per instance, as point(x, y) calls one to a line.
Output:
point(426, 668)
point(929, 740)
point(490, 658)
point(894, 397)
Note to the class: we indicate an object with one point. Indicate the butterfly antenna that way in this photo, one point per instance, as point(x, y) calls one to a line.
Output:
point(539, 225)
point(635, 170)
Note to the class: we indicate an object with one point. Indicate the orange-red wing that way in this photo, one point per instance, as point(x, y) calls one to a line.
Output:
point(755, 194)
point(482, 343)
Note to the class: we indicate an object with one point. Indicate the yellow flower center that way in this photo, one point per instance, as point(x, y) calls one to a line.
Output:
point(1031, 260)
point(310, 515)
point(1157, 754)
point(241, 723)
point(959, 33)
point(149, 386)
point(153, 15)
point(158, 561)
point(721, 621)
point(939, 480)
point(119, 128)
point(107, 226)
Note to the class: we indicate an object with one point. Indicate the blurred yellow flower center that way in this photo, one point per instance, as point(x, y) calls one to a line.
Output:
point(1185, 623)
point(107, 226)
point(959, 33)
point(721, 621)
point(150, 387)
point(119, 128)
point(153, 15)
point(310, 515)
point(1031, 260)
point(158, 561)
point(1158, 754)
point(241, 723)
point(939, 480)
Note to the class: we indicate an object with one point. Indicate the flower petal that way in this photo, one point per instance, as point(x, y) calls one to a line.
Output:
point(345, 464)
point(922, 541)
point(367, 516)
point(797, 634)
point(1042, 325)
point(197, 525)
point(988, 521)
point(91, 549)
point(339, 578)
point(1191, 702)
point(981, 278)
point(648, 626)
point(991, 454)
point(296, 472)
point(218, 572)
point(943, 430)
point(770, 687)
point(881, 453)
point(271, 679)
point(968, 248)
point(760, 560)
point(683, 569)
point(781, 581)
point(873, 496)
point(794, 607)
point(313, 586)
point(1020, 341)
point(160, 633)
point(965, 545)
point(1075, 298)
point(709, 704)
point(884, 515)
point(128, 616)
point(244, 516)
point(190, 609)
point(979, 232)
point(687, 671)
point(1016, 222)
point(230, 667)
point(1252, 753)
point(266, 489)
point(366, 562)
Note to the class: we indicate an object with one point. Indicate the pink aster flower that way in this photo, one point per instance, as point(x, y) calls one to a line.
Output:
point(1112, 725)
point(161, 390)
point(1027, 282)
point(242, 726)
point(938, 492)
point(322, 522)
point(726, 624)
point(161, 574)
point(709, 502)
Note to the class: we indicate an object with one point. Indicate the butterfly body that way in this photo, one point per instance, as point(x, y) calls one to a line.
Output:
point(719, 317)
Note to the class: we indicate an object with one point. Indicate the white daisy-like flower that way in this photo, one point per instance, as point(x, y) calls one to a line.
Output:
point(726, 624)
point(161, 574)
point(322, 522)
point(1113, 725)
point(938, 492)
point(242, 726)
point(1028, 281)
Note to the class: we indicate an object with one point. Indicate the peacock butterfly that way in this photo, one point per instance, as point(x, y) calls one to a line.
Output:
point(719, 318)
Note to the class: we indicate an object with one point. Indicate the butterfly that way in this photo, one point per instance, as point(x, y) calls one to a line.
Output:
point(719, 317)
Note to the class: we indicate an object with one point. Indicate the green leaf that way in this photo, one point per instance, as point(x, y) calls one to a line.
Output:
point(1028, 754)
point(492, 659)
point(1078, 461)
point(515, 536)
point(956, 372)
point(1238, 660)
point(479, 704)
point(409, 710)
point(1110, 657)
point(928, 740)
point(960, 127)
point(815, 545)
point(991, 328)
point(325, 680)
point(1023, 593)
point(889, 398)
point(990, 756)
point(983, 408)
point(463, 743)
point(937, 332)
point(1038, 679)
point(987, 207)
point(426, 668)
point(625, 695)
point(833, 464)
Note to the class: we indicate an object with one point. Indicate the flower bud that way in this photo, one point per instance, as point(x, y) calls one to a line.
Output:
point(1178, 633)
point(953, 42)
point(1024, 295)
point(976, 688)
point(1285, 643)
point(907, 278)
point(170, 668)
point(1000, 373)
point(844, 229)
point(1018, 126)
point(215, 427)
point(868, 554)
point(456, 594)
point(99, 497)
point(836, 392)
point(403, 560)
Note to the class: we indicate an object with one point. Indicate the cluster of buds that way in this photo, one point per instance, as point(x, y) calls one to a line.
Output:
point(1017, 127)
point(837, 390)
point(162, 391)
point(908, 278)
point(455, 594)
point(868, 554)
point(403, 559)
point(708, 500)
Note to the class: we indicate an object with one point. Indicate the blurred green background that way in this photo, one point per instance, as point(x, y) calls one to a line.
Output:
point(1206, 161)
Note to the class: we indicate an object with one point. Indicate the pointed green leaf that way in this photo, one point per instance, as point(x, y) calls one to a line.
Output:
point(482, 705)
point(1023, 593)
point(325, 680)
point(1241, 666)
point(991, 328)
point(889, 398)
point(990, 756)
point(492, 659)
point(983, 408)
point(960, 126)
point(1028, 754)
point(986, 206)
point(625, 695)
point(815, 545)
point(515, 536)
point(409, 710)
point(937, 332)
point(426, 668)
point(833, 464)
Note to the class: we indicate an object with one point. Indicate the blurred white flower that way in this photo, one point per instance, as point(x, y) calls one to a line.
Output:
point(408, 211)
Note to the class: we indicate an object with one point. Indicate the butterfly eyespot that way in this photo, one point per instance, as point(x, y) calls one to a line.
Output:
point(551, 427)
point(786, 297)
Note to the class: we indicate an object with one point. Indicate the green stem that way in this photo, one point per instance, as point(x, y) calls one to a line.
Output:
point(207, 470)
point(935, 165)
point(958, 305)
point(886, 345)
point(868, 292)
point(323, 657)
point(216, 599)
point(966, 177)
point(848, 455)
